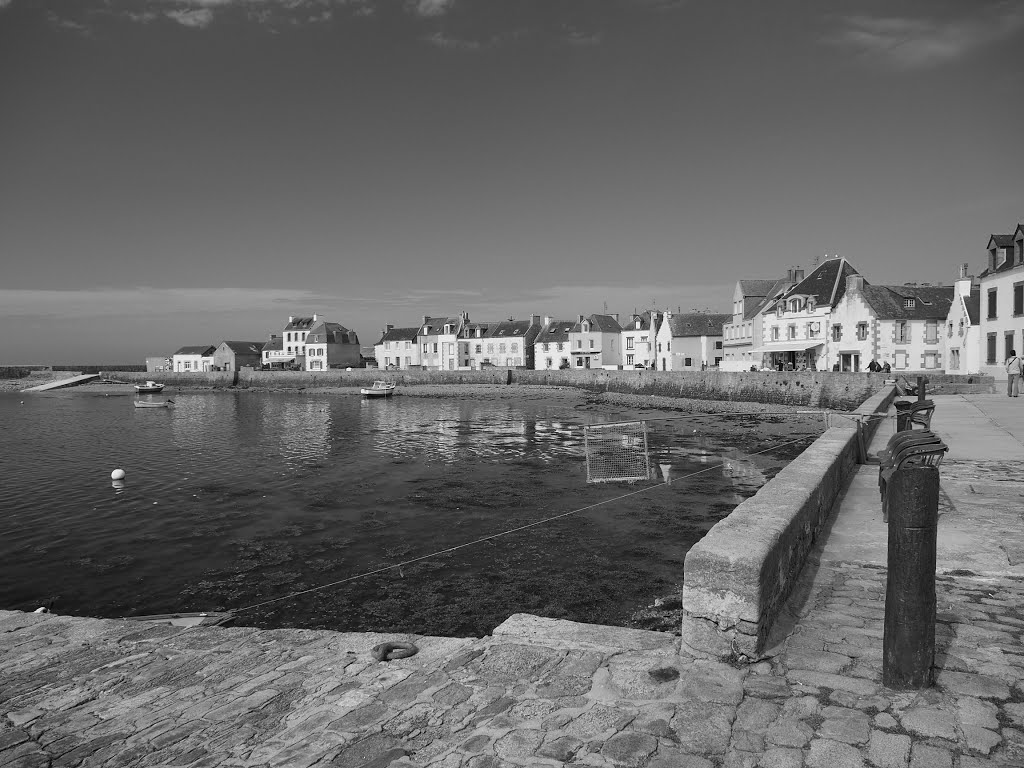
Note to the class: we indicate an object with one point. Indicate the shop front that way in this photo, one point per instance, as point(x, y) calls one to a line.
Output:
point(790, 356)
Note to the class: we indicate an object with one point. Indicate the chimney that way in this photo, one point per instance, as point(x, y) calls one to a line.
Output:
point(535, 320)
point(291, 319)
point(425, 318)
point(547, 319)
point(798, 274)
point(273, 336)
point(314, 317)
point(963, 271)
point(854, 283)
point(579, 318)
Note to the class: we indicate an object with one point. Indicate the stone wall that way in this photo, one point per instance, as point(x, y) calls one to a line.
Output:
point(738, 577)
point(177, 380)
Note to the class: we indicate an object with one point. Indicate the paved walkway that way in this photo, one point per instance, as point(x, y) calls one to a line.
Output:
point(543, 692)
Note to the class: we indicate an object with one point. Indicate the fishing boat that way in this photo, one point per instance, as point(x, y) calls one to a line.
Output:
point(149, 388)
point(211, 619)
point(154, 403)
point(379, 389)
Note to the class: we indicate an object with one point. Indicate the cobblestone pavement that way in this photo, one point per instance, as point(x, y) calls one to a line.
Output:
point(540, 692)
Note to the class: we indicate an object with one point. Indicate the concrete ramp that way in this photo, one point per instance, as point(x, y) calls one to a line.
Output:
point(74, 381)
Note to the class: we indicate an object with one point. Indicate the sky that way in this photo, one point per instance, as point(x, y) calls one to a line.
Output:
point(182, 172)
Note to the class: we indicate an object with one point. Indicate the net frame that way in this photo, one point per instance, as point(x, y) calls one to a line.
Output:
point(617, 452)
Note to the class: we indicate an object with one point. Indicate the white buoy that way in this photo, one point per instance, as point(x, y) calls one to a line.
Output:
point(117, 474)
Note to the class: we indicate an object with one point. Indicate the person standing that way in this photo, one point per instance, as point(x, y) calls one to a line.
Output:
point(1014, 368)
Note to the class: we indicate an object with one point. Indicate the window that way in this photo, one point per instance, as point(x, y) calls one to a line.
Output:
point(901, 360)
point(718, 345)
point(544, 346)
point(960, 331)
point(909, 303)
point(548, 362)
point(490, 349)
point(408, 362)
point(668, 346)
point(501, 349)
point(591, 343)
point(950, 333)
point(659, 346)
point(791, 332)
point(387, 361)
point(688, 362)
point(478, 348)
point(579, 362)
point(629, 359)
point(558, 346)
point(579, 343)
point(435, 347)
point(629, 342)
point(990, 349)
point(931, 332)
point(408, 345)
point(837, 333)
point(931, 360)
point(954, 359)
point(1007, 344)
point(1018, 299)
point(813, 329)
point(902, 332)
point(991, 303)
point(514, 347)
point(862, 331)
point(425, 347)
point(775, 333)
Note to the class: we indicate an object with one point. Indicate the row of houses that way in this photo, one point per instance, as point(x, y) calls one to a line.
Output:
point(832, 318)
point(305, 343)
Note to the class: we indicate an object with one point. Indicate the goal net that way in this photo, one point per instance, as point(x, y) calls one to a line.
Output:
point(616, 452)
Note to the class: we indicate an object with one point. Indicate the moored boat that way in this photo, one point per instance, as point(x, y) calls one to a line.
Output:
point(379, 389)
point(154, 403)
point(149, 388)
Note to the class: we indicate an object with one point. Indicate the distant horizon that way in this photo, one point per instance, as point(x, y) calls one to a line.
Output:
point(179, 172)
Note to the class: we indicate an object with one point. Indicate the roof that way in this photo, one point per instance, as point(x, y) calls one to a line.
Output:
point(602, 323)
point(202, 351)
point(244, 347)
point(697, 324)
point(755, 304)
point(508, 328)
point(972, 304)
point(400, 334)
point(555, 331)
point(645, 322)
point(333, 333)
point(300, 323)
point(435, 325)
point(889, 301)
point(826, 283)
point(1001, 241)
point(758, 288)
point(274, 344)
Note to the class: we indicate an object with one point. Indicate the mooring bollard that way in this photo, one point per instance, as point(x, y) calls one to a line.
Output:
point(909, 641)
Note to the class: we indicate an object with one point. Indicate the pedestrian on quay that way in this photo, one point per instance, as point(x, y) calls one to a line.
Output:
point(1014, 368)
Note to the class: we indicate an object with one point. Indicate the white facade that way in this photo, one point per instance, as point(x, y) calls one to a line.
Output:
point(962, 339)
point(745, 332)
point(689, 342)
point(1002, 303)
point(551, 349)
point(193, 359)
point(398, 348)
point(438, 340)
point(596, 342)
point(796, 334)
point(639, 339)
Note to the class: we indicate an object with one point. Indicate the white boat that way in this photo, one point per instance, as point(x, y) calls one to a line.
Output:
point(149, 388)
point(154, 403)
point(211, 619)
point(379, 389)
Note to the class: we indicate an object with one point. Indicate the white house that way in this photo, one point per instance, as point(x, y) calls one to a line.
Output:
point(397, 348)
point(506, 343)
point(962, 340)
point(690, 341)
point(194, 359)
point(895, 324)
point(595, 342)
point(796, 326)
point(744, 332)
point(1002, 302)
point(551, 349)
point(638, 339)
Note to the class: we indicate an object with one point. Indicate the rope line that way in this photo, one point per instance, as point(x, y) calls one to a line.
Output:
point(506, 533)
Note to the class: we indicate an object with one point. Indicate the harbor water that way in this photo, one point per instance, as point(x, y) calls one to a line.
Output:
point(234, 499)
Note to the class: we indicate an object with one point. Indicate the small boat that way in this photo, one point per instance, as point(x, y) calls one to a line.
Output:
point(154, 403)
point(379, 389)
point(149, 388)
point(211, 619)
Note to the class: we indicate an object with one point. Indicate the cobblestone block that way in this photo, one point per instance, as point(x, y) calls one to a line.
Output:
point(781, 757)
point(712, 681)
point(629, 748)
point(889, 750)
point(599, 721)
point(833, 754)
point(703, 728)
point(789, 732)
point(927, 756)
point(670, 757)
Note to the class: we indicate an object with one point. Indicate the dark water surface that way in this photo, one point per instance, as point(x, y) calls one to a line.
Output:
point(234, 498)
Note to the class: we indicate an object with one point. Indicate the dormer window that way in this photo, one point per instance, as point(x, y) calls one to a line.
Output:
point(638, 323)
point(447, 328)
point(909, 303)
point(426, 329)
point(586, 327)
point(811, 304)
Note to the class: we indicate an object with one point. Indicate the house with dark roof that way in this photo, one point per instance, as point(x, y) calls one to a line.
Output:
point(397, 348)
point(744, 332)
point(438, 340)
point(962, 337)
point(690, 341)
point(795, 324)
point(233, 355)
point(551, 347)
point(331, 345)
point(506, 343)
point(595, 342)
point(639, 335)
point(896, 324)
point(1002, 301)
point(193, 359)
point(292, 349)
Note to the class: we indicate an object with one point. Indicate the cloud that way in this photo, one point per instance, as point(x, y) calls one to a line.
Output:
point(199, 18)
point(453, 43)
point(918, 43)
point(432, 7)
point(4, 4)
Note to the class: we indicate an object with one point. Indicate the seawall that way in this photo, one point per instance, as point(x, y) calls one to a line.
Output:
point(740, 575)
point(823, 389)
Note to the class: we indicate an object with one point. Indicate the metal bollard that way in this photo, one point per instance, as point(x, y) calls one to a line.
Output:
point(912, 497)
